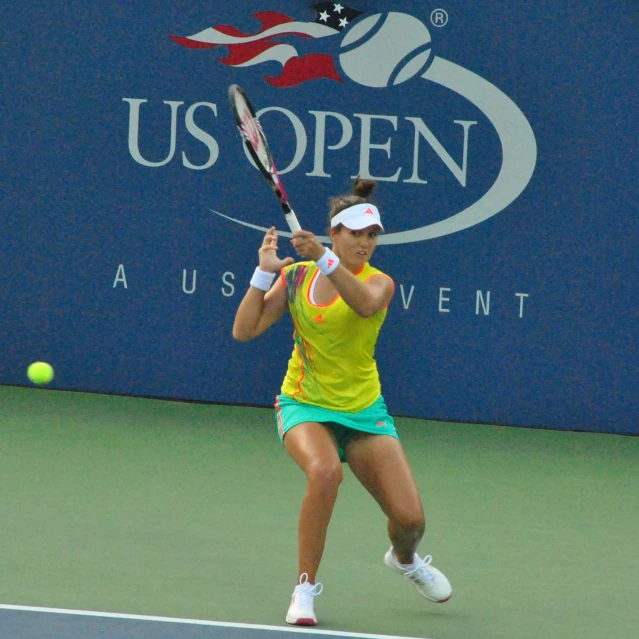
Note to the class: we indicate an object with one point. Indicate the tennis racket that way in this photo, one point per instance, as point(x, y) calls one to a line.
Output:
point(257, 146)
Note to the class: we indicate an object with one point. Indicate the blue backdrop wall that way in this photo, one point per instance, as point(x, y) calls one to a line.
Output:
point(503, 136)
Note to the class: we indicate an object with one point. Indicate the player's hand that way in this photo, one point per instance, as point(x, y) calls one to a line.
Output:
point(269, 261)
point(306, 245)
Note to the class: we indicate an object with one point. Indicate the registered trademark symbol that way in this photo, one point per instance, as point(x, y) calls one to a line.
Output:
point(439, 18)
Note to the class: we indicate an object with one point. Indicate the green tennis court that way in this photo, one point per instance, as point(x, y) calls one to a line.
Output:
point(150, 507)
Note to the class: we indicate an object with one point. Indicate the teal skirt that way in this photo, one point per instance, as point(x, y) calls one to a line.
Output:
point(374, 419)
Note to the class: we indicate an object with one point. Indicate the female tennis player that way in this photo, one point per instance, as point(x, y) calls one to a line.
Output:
point(330, 409)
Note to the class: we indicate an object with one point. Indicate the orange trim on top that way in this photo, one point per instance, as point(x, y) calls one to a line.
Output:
point(301, 379)
point(380, 275)
point(308, 292)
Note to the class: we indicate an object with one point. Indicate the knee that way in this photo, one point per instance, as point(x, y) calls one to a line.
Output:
point(325, 475)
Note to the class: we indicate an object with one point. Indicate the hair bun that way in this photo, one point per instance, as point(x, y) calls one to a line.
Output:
point(363, 188)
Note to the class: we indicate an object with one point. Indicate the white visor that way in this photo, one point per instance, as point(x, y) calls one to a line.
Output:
point(358, 217)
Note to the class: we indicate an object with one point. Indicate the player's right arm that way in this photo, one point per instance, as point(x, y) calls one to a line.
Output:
point(259, 309)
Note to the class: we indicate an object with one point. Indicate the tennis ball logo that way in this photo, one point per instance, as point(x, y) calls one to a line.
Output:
point(381, 51)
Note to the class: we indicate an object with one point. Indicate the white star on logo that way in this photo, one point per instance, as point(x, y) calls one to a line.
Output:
point(338, 8)
point(324, 16)
point(343, 22)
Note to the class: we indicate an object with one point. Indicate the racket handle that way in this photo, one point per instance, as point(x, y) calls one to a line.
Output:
point(291, 219)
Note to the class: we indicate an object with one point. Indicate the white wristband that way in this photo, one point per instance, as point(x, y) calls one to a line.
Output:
point(262, 280)
point(328, 262)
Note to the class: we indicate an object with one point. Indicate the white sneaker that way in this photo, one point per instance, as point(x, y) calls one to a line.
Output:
point(301, 611)
point(428, 581)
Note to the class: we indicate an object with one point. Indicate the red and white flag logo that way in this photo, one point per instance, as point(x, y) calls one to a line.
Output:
point(265, 46)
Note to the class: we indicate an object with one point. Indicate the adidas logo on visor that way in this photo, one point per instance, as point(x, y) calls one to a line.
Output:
point(358, 216)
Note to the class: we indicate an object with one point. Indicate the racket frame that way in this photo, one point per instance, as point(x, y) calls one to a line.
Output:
point(251, 128)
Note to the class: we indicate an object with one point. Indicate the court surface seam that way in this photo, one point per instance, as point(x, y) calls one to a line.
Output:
point(198, 622)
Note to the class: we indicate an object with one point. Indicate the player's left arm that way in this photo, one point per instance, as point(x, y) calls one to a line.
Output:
point(365, 298)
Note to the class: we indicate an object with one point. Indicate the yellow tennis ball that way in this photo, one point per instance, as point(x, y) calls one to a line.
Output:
point(40, 373)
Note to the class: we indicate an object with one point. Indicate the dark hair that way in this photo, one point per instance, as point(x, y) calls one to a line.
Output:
point(360, 194)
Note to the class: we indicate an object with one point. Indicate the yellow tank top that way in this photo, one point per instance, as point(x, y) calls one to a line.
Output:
point(332, 364)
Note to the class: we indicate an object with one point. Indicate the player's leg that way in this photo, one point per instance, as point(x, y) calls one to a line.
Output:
point(381, 466)
point(314, 448)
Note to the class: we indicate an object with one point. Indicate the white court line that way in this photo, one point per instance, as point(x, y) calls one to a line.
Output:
point(199, 622)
